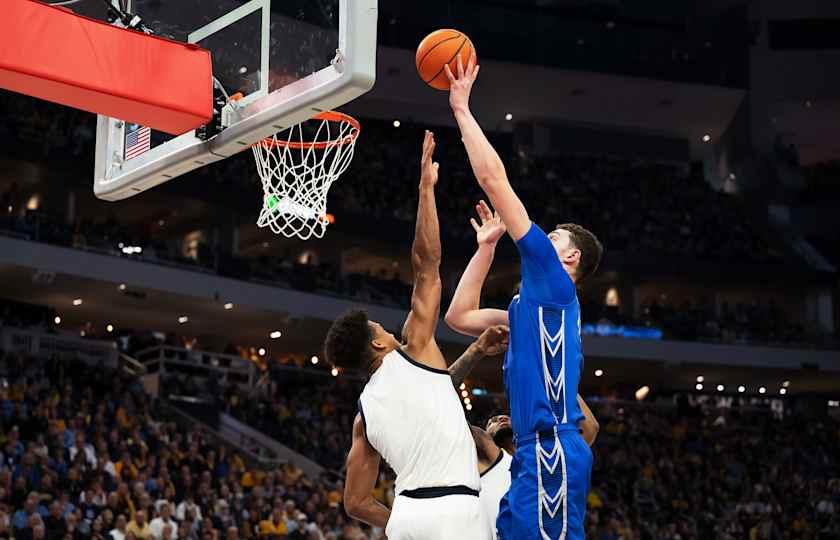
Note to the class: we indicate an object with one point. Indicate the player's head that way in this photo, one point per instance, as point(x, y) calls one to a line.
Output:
point(579, 250)
point(354, 341)
point(499, 428)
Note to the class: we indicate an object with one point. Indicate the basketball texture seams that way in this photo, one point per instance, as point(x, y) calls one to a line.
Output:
point(439, 48)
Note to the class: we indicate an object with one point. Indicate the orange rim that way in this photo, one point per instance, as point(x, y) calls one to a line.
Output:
point(330, 116)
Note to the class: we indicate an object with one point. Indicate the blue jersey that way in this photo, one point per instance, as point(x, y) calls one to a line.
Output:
point(544, 359)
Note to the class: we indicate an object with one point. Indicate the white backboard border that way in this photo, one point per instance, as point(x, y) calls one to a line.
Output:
point(351, 74)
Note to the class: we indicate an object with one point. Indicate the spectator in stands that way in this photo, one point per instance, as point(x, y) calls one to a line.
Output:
point(162, 521)
point(139, 527)
point(119, 531)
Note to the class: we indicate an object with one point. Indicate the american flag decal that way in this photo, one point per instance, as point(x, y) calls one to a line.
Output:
point(138, 140)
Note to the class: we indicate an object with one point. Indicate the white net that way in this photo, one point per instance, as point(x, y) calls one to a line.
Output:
point(297, 166)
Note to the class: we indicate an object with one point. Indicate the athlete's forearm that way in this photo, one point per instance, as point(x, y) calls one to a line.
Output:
point(370, 511)
point(467, 295)
point(465, 363)
point(485, 161)
point(426, 250)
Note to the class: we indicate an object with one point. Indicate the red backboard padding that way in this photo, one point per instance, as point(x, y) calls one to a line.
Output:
point(54, 54)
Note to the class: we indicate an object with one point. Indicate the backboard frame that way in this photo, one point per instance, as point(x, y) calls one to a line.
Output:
point(351, 74)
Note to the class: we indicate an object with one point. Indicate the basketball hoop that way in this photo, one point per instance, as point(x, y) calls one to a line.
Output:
point(297, 166)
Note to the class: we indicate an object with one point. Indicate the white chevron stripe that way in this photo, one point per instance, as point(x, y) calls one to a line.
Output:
point(554, 386)
point(554, 456)
point(551, 504)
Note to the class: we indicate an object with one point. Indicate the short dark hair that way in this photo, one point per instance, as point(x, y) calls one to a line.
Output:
point(590, 248)
point(348, 341)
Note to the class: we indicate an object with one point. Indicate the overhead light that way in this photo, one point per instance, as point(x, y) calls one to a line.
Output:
point(463, 386)
point(742, 389)
point(700, 378)
point(720, 388)
point(698, 386)
point(77, 302)
point(183, 318)
point(82, 333)
point(762, 390)
point(783, 391)
point(833, 403)
point(34, 202)
point(808, 103)
point(261, 351)
point(57, 319)
point(110, 328)
point(265, 244)
point(314, 360)
point(122, 286)
point(642, 392)
point(508, 117)
point(228, 306)
point(334, 372)
point(464, 393)
point(276, 334)
point(707, 137)
point(599, 372)
point(469, 407)
point(610, 25)
point(785, 384)
point(243, 70)
point(467, 400)
point(396, 123)
point(161, 222)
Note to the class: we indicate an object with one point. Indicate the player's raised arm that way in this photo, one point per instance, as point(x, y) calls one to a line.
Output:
point(486, 163)
point(362, 472)
point(464, 315)
point(420, 325)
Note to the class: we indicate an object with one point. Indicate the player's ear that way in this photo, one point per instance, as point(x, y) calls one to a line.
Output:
point(377, 344)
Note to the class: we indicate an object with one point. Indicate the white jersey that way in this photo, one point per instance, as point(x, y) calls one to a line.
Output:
point(413, 417)
point(495, 482)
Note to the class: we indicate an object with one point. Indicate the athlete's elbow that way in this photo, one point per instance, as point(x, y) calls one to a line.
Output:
point(354, 505)
point(453, 319)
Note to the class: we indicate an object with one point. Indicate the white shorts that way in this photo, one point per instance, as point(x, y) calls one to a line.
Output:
point(441, 518)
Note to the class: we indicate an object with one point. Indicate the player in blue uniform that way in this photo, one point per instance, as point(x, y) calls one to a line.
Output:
point(551, 468)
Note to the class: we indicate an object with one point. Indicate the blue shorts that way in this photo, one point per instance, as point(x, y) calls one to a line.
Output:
point(557, 464)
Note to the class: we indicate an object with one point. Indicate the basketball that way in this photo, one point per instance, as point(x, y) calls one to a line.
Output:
point(439, 48)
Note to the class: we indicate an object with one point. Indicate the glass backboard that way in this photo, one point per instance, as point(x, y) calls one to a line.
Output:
point(289, 60)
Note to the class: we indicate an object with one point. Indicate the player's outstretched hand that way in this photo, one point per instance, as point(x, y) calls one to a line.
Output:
point(460, 87)
point(428, 167)
point(491, 229)
point(493, 340)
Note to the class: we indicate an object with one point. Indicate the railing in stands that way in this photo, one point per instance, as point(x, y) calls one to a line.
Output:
point(43, 344)
point(167, 360)
point(251, 450)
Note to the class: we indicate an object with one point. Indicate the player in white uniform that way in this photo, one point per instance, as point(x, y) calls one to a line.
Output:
point(409, 411)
